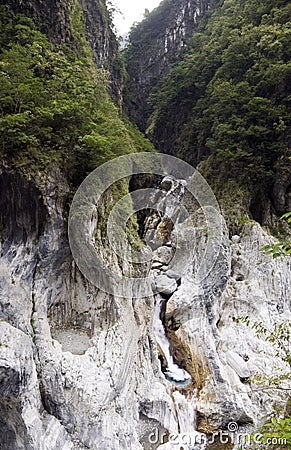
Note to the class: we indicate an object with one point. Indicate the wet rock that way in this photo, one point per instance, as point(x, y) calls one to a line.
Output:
point(172, 274)
point(163, 255)
point(165, 285)
point(237, 363)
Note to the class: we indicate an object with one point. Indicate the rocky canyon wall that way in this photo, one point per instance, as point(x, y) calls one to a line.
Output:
point(154, 45)
point(62, 22)
point(82, 369)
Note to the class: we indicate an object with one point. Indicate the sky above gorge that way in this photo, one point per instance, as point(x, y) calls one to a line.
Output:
point(131, 11)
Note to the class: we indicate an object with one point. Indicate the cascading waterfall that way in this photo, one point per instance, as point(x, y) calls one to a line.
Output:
point(185, 406)
point(183, 395)
point(173, 372)
point(186, 412)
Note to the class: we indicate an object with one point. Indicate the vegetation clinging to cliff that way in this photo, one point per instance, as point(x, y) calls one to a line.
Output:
point(55, 105)
point(230, 95)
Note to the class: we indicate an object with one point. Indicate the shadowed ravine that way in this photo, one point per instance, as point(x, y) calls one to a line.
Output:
point(138, 309)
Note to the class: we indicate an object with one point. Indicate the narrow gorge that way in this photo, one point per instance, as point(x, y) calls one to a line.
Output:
point(191, 121)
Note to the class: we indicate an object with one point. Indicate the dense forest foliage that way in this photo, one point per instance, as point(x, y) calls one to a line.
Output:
point(154, 45)
point(225, 105)
point(228, 101)
point(55, 107)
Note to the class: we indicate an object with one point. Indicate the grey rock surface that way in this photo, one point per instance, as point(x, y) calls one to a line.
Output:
point(165, 285)
point(237, 363)
point(163, 255)
point(54, 399)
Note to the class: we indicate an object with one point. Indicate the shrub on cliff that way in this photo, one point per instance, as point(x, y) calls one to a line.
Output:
point(55, 109)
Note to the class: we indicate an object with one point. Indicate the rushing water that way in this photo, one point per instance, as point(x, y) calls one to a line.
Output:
point(184, 400)
point(186, 412)
point(185, 406)
point(173, 372)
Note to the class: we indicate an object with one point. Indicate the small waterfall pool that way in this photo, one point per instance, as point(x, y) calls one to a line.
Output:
point(182, 391)
point(188, 437)
point(173, 373)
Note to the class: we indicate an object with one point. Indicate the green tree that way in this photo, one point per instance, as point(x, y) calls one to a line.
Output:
point(282, 248)
point(229, 97)
point(55, 107)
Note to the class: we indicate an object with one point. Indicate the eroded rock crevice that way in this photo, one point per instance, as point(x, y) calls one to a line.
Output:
point(115, 385)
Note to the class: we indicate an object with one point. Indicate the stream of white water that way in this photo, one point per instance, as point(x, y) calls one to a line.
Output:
point(173, 372)
point(184, 401)
point(185, 407)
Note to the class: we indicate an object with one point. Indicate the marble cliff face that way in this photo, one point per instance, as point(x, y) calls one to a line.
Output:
point(155, 44)
point(84, 369)
point(81, 368)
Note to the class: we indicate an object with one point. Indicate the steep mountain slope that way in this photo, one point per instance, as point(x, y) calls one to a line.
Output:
point(154, 45)
point(56, 104)
point(78, 24)
point(61, 23)
point(86, 367)
point(227, 102)
point(58, 122)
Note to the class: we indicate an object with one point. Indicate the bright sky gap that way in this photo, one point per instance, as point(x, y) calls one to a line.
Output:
point(130, 11)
